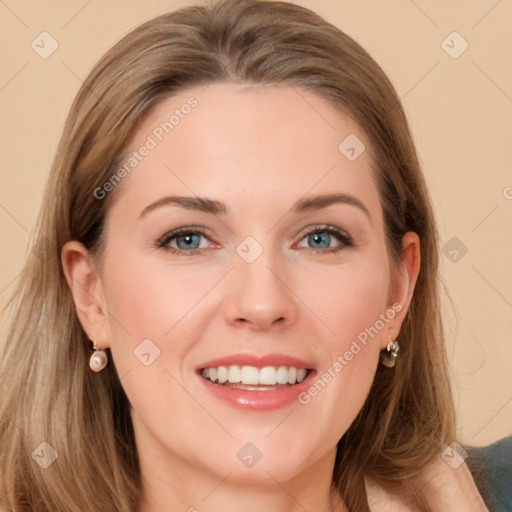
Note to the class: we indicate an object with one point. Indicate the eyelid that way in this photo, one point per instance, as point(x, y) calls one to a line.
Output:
point(327, 228)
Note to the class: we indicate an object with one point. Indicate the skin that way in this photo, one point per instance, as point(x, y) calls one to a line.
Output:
point(258, 150)
point(445, 489)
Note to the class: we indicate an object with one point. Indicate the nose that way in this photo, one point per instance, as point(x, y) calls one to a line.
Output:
point(259, 295)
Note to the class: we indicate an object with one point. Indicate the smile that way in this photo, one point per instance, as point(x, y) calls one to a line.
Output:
point(257, 382)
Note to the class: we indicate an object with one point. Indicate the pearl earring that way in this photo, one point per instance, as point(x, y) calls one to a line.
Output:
point(98, 360)
point(392, 353)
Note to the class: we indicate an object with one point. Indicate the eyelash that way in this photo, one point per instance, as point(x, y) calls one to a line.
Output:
point(345, 239)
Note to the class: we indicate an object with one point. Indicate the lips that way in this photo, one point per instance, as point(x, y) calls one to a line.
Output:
point(249, 381)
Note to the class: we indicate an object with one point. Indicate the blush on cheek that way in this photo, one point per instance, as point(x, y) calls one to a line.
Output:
point(148, 305)
point(356, 317)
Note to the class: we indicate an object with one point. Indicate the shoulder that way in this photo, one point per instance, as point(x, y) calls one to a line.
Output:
point(491, 468)
point(380, 500)
point(441, 486)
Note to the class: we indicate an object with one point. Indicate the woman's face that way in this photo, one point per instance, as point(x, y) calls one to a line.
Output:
point(263, 274)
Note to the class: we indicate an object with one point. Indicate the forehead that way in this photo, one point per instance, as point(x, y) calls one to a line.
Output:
point(248, 143)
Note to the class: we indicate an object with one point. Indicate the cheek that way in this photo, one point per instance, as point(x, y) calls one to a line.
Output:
point(143, 308)
point(150, 311)
point(349, 300)
point(352, 309)
point(148, 302)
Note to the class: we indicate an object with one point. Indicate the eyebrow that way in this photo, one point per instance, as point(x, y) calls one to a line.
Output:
point(214, 207)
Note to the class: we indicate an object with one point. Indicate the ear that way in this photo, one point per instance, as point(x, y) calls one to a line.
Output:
point(86, 287)
point(403, 281)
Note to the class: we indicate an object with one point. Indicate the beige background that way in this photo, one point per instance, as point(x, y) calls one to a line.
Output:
point(461, 115)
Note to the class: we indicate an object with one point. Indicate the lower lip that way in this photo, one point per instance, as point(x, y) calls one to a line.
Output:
point(258, 400)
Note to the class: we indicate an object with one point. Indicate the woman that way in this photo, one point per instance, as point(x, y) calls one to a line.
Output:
point(236, 307)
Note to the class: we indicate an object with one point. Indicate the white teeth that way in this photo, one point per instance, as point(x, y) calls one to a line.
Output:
point(268, 376)
point(282, 375)
point(234, 374)
point(292, 375)
point(252, 375)
point(249, 375)
point(222, 374)
point(301, 375)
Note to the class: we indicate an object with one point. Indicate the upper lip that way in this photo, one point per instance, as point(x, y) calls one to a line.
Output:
point(259, 361)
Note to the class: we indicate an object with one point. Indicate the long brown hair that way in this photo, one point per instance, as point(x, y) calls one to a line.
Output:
point(49, 395)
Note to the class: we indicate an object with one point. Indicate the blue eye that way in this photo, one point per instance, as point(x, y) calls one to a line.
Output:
point(323, 235)
point(188, 240)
